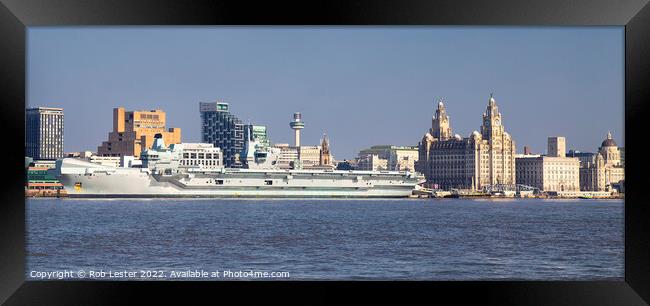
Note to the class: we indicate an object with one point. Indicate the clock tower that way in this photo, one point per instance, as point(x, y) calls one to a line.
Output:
point(492, 127)
point(499, 164)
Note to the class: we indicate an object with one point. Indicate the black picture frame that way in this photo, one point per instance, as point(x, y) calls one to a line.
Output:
point(16, 15)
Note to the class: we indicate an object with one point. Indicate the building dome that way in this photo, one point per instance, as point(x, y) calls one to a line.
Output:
point(609, 142)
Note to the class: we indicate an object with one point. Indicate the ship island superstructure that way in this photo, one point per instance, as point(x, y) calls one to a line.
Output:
point(197, 170)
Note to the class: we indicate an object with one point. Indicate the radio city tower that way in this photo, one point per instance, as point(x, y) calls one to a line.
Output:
point(297, 125)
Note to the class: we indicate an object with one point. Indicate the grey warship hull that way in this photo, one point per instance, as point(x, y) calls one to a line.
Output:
point(83, 179)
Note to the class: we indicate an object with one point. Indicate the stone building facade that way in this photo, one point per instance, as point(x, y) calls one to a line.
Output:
point(482, 159)
point(395, 158)
point(403, 158)
point(604, 169)
point(305, 157)
point(289, 155)
point(548, 173)
point(372, 162)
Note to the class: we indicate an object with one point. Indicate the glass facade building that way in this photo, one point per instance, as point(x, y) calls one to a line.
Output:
point(44, 133)
point(224, 130)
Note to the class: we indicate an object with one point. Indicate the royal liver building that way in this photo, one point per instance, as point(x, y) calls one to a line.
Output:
point(482, 159)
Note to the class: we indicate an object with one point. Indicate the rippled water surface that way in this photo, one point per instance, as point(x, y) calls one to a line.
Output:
point(453, 239)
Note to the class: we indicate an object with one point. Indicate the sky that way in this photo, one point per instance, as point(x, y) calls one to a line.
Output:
point(362, 86)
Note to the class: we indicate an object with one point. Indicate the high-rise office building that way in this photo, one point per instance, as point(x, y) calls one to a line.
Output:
point(134, 131)
point(224, 130)
point(44, 133)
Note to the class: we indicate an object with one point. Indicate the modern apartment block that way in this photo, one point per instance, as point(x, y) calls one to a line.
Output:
point(224, 130)
point(44, 133)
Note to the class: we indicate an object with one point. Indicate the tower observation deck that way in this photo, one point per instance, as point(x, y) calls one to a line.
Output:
point(297, 125)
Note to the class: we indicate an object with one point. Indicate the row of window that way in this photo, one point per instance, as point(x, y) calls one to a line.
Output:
point(149, 116)
point(202, 162)
point(187, 155)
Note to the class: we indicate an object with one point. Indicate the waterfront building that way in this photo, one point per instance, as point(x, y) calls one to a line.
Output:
point(553, 172)
point(398, 158)
point(44, 133)
point(224, 130)
point(134, 131)
point(372, 162)
point(402, 158)
point(288, 155)
point(309, 156)
point(374, 158)
point(41, 182)
point(483, 159)
point(202, 155)
point(604, 170)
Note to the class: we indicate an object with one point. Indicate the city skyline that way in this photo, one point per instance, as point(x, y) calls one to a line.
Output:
point(397, 88)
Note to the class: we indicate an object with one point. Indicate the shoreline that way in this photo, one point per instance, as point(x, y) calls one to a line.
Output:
point(328, 198)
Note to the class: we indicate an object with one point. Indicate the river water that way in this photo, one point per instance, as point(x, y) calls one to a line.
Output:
point(405, 239)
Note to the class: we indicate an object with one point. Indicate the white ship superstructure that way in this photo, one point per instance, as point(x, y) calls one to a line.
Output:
point(196, 170)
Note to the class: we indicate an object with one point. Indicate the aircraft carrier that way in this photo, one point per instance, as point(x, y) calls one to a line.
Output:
point(196, 170)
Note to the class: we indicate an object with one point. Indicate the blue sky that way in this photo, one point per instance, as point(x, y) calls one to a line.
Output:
point(362, 85)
